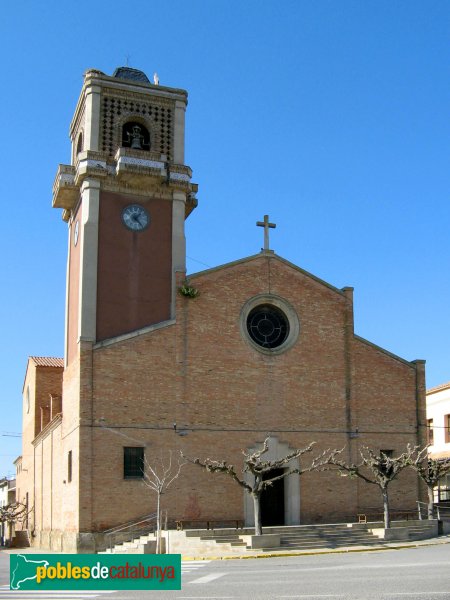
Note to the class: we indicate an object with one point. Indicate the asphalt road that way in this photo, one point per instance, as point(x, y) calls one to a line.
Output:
point(421, 573)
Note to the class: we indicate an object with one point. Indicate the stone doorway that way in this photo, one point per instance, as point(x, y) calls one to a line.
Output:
point(272, 501)
point(290, 486)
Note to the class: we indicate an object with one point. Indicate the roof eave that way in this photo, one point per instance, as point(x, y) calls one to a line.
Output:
point(268, 254)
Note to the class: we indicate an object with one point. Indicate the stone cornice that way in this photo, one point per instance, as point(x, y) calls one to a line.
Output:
point(54, 423)
point(386, 352)
point(131, 171)
point(133, 334)
point(270, 255)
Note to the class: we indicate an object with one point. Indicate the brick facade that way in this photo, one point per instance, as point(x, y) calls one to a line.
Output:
point(202, 374)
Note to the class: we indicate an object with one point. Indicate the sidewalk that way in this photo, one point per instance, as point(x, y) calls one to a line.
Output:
point(442, 539)
point(27, 551)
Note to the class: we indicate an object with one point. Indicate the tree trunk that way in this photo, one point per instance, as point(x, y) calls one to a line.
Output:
point(158, 524)
point(387, 521)
point(257, 511)
point(430, 502)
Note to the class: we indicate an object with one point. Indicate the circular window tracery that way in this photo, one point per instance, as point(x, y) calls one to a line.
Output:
point(267, 326)
point(269, 323)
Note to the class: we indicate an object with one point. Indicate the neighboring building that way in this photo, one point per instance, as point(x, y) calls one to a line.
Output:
point(7, 496)
point(151, 366)
point(438, 432)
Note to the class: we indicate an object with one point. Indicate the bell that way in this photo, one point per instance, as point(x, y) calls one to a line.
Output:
point(136, 138)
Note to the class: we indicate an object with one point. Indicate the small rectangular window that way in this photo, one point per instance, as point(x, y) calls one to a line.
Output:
point(430, 432)
point(447, 428)
point(69, 466)
point(133, 462)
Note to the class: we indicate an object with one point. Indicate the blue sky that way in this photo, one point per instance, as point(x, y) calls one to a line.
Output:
point(330, 116)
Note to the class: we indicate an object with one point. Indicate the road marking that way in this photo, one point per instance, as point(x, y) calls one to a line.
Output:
point(191, 565)
point(389, 595)
point(54, 594)
point(62, 592)
point(344, 567)
point(420, 594)
point(208, 578)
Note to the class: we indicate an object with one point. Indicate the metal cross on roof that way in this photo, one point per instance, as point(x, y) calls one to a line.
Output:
point(266, 226)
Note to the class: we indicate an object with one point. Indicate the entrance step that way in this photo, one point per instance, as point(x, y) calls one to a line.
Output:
point(229, 542)
point(144, 544)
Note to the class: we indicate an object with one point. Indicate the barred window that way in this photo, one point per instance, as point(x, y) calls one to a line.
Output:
point(133, 462)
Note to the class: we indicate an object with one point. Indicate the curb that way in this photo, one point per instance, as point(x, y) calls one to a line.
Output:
point(345, 550)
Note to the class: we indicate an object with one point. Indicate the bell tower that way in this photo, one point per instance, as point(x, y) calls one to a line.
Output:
point(125, 198)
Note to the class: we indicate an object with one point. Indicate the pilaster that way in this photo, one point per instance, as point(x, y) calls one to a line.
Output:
point(178, 145)
point(420, 401)
point(350, 408)
point(92, 118)
point(66, 320)
point(178, 241)
point(90, 192)
point(421, 418)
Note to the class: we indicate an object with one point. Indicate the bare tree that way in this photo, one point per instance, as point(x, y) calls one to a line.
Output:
point(16, 512)
point(159, 478)
point(260, 471)
point(430, 470)
point(376, 469)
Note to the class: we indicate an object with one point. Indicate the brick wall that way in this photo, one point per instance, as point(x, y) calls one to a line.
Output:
point(203, 374)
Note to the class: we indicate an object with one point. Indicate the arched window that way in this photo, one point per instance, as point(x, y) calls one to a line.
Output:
point(136, 136)
point(80, 143)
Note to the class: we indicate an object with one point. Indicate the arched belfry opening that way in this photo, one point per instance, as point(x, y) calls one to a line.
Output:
point(135, 136)
point(80, 142)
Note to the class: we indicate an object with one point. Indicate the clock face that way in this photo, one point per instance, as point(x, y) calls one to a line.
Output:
point(75, 233)
point(135, 217)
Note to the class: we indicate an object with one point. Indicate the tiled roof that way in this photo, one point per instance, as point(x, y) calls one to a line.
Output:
point(438, 388)
point(47, 361)
point(439, 455)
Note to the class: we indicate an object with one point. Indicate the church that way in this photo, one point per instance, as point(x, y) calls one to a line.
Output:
point(211, 364)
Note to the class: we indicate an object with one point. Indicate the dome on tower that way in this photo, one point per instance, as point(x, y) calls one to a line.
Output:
point(129, 73)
